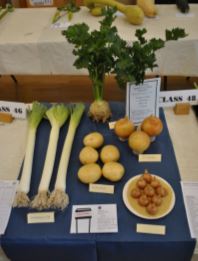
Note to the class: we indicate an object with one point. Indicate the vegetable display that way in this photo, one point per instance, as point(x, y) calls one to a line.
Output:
point(70, 8)
point(91, 171)
point(133, 13)
point(149, 193)
point(34, 118)
point(58, 198)
point(103, 52)
point(57, 115)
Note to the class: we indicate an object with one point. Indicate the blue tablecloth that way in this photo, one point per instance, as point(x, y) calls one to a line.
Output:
point(51, 242)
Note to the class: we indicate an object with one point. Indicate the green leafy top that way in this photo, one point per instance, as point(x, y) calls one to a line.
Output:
point(69, 8)
point(103, 51)
point(57, 114)
point(36, 114)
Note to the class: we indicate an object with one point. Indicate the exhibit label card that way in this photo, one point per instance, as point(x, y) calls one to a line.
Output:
point(16, 109)
point(190, 193)
point(142, 100)
point(150, 157)
point(151, 229)
point(101, 188)
point(94, 219)
point(40, 217)
point(7, 194)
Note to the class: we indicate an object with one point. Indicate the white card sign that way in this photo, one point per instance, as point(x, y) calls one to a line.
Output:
point(94, 219)
point(171, 98)
point(142, 100)
point(16, 109)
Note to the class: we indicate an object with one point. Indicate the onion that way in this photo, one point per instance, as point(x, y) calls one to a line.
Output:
point(139, 141)
point(152, 125)
point(124, 127)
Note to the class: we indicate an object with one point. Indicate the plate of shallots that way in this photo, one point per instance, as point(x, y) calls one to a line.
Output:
point(148, 196)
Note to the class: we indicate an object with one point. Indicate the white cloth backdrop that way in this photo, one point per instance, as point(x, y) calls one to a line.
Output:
point(29, 45)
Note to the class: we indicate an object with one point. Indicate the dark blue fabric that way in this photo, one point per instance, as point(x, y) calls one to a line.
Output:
point(54, 242)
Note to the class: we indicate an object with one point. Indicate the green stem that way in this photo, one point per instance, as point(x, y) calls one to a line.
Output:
point(3, 13)
point(98, 86)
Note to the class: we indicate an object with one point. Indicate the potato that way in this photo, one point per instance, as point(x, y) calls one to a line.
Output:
point(113, 171)
point(94, 140)
point(89, 173)
point(88, 155)
point(109, 153)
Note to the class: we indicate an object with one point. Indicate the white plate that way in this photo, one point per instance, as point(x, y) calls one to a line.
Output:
point(135, 208)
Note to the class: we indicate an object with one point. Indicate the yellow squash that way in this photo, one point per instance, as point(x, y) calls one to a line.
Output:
point(148, 7)
point(133, 13)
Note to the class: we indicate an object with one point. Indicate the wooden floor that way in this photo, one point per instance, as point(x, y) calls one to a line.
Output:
point(69, 88)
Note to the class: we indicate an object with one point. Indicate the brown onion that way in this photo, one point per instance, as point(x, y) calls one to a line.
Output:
point(139, 141)
point(124, 127)
point(152, 125)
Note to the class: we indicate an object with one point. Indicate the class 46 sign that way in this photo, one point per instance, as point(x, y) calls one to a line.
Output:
point(171, 98)
point(16, 109)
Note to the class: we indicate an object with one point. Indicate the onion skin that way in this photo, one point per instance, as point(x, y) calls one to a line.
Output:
point(139, 141)
point(123, 128)
point(152, 125)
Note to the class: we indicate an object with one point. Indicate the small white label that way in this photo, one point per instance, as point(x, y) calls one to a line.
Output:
point(150, 157)
point(100, 188)
point(183, 15)
point(112, 125)
point(41, 2)
point(16, 109)
point(151, 229)
point(60, 24)
point(40, 217)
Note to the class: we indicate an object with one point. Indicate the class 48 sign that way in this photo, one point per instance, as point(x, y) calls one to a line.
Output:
point(171, 98)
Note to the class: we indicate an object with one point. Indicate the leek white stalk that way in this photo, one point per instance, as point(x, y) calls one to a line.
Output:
point(34, 119)
point(57, 116)
point(58, 198)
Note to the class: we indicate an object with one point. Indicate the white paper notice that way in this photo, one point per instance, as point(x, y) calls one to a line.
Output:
point(7, 193)
point(62, 24)
point(94, 219)
point(190, 192)
point(142, 100)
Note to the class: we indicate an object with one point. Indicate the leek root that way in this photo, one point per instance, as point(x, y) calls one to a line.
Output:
point(34, 119)
point(57, 116)
point(59, 198)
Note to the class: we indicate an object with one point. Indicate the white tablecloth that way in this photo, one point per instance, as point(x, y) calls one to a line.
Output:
point(29, 45)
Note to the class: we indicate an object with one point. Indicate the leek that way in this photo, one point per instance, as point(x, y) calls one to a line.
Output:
point(58, 198)
point(57, 115)
point(3, 12)
point(34, 118)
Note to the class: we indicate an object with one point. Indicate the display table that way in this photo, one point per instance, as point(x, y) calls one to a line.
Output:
point(54, 242)
point(29, 44)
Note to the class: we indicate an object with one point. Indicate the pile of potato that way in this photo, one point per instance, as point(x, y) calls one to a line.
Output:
point(95, 150)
